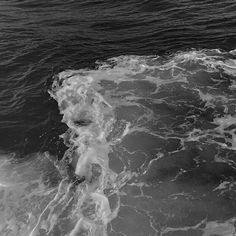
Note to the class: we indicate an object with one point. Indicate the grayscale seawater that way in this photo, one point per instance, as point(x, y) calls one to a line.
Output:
point(117, 118)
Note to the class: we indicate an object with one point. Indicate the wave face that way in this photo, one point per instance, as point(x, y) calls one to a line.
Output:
point(151, 151)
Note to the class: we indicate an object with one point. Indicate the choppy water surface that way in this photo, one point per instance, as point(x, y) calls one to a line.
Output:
point(141, 141)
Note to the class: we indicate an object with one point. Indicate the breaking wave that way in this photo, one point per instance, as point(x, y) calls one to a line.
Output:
point(146, 135)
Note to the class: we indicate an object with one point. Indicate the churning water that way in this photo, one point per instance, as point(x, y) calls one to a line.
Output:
point(112, 124)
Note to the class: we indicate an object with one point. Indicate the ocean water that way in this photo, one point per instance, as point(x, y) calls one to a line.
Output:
point(117, 118)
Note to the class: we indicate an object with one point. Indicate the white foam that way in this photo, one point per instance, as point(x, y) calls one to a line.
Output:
point(90, 117)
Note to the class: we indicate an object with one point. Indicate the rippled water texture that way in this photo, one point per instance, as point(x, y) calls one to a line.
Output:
point(117, 118)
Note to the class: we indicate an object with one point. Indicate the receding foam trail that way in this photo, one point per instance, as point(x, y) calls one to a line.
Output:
point(27, 185)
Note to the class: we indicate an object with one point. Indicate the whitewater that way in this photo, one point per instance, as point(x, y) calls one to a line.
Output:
point(141, 131)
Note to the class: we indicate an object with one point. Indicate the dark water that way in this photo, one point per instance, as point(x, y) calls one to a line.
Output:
point(150, 134)
point(39, 39)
